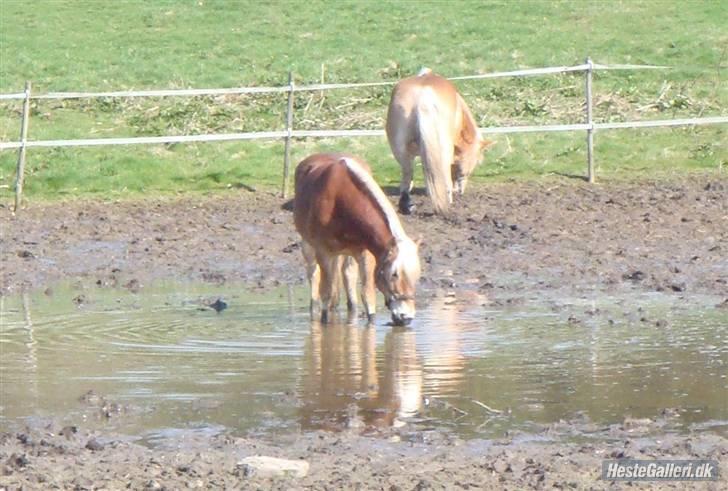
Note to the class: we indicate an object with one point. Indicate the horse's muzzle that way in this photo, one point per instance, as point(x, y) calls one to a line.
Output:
point(401, 319)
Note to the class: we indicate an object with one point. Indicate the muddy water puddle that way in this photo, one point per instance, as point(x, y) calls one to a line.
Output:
point(160, 363)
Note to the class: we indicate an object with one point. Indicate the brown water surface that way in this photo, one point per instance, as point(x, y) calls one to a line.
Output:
point(158, 362)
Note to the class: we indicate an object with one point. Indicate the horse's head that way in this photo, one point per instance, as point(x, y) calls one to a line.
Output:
point(398, 271)
point(467, 156)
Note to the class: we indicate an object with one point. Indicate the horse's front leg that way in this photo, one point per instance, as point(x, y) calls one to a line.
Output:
point(367, 265)
point(458, 178)
point(459, 184)
point(449, 186)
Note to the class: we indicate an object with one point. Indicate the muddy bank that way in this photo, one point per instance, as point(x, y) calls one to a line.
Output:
point(501, 239)
point(503, 244)
point(52, 457)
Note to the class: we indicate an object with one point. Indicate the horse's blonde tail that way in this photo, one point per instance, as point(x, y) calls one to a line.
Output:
point(436, 151)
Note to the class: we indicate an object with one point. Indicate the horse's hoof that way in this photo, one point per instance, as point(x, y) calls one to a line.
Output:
point(406, 208)
point(405, 204)
point(370, 319)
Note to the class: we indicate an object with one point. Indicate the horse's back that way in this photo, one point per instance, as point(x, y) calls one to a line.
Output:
point(321, 181)
point(426, 97)
point(319, 173)
point(315, 183)
point(409, 91)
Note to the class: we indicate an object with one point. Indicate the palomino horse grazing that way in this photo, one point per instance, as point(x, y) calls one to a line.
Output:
point(340, 211)
point(427, 117)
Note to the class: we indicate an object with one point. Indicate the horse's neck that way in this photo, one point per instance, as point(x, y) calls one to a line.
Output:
point(378, 238)
point(383, 224)
point(370, 228)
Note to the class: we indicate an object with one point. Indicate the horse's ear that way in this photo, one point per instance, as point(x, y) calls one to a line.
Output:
point(466, 136)
point(486, 144)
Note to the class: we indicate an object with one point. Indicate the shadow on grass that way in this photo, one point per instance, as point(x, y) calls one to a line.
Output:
point(394, 191)
point(572, 176)
point(242, 185)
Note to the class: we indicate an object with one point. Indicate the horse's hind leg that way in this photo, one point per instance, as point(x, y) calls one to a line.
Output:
point(328, 286)
point(401, 152)
point(313, 272)
point(405, 185)
point(367, 265)
point(351, 275)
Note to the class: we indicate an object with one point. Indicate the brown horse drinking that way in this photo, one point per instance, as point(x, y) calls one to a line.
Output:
point(428, 118)
point(340, 211)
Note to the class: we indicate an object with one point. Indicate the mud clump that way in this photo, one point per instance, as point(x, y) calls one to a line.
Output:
point(635, 276)
point(218, 305)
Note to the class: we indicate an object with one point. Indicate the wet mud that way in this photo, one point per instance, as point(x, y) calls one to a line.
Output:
point(499, 239)
point(503, 245)
point(50, 457)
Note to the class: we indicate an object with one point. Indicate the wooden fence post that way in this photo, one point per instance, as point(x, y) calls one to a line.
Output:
point(289, 129)
point(590, 122)
point(20, 170)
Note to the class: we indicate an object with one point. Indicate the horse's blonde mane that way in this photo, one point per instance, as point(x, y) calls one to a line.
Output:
point(395, 226)
point(469, 119)
point(407, 258)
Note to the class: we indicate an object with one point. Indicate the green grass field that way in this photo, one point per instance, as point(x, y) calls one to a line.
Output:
point(102, 46)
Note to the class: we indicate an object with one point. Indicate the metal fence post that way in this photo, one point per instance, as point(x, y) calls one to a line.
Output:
point(20, 170)
point(289, 129)
point(589, 122)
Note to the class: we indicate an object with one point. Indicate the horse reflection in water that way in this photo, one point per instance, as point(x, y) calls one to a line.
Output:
point(344, 388)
